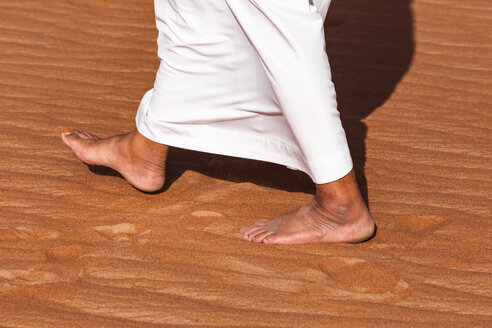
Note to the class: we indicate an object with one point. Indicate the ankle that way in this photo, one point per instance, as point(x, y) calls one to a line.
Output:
point(343, 190)
point(142, 147)
point(343, 199)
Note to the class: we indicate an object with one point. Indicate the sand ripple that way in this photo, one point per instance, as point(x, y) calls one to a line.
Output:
point(83, 249)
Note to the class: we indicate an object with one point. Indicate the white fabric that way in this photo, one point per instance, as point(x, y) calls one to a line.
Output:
point(247, 78)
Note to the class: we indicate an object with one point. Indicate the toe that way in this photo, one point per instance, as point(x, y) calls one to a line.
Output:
point(244, 229)
point(68, 138)
point(82, 147)
point(253, 234)
point(81, 134)
point(251, 227)
point(90, 135)
point(73, 140)
point(270, 239)
point(64, 137)
point(261, 236)
point(248, 235)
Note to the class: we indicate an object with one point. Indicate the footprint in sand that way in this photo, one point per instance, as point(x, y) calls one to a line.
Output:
point(14, 278)
point(416, 223)
point(123, 232)
point(364, 279)
point(406, 231)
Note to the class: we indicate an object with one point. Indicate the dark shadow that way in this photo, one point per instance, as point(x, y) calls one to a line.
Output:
point(225, 168)
point(103, 170)
point(370, 46)
point(236, 170)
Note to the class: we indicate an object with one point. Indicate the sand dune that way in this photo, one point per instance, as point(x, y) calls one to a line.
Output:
point(79, 247)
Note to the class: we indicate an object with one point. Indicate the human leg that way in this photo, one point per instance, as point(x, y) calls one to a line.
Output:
point(288, 36)
point(289, 39)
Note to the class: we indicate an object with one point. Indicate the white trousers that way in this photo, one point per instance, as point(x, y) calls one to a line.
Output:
point(250, 79)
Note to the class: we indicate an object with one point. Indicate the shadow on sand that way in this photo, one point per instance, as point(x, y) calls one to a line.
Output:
point(370, 46)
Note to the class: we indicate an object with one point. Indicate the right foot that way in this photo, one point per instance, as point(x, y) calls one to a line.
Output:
point(140, 161)
point(337, 214)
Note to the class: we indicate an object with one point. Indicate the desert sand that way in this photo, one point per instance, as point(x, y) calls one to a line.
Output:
point(79, 247)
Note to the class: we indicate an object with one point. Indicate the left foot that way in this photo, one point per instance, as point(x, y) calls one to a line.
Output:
point(336, 214)
point(139, 160)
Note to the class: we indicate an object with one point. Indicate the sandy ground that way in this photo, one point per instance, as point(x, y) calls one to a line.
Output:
point(79, 247)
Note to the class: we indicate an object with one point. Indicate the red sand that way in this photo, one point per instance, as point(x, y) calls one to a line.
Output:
point(79, 249)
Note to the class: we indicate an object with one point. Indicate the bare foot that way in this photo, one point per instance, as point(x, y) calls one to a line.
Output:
point(336, 214)
point(139, 160)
